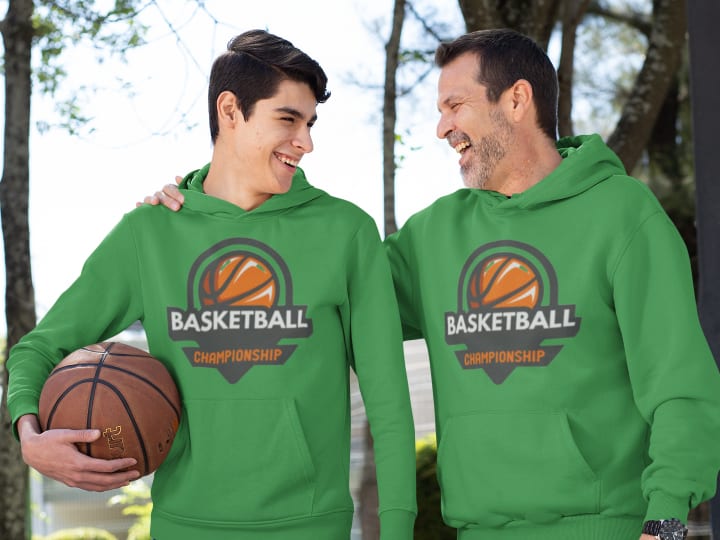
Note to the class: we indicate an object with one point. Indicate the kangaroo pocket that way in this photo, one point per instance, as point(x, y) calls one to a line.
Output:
point(498, 467)
point(246, 461)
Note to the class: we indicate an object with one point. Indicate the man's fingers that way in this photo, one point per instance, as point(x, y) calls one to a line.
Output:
point(92, 481)
point(172, 192)
point(77, 435)
point(168, 200)
point(149, 199)
point(116, 465)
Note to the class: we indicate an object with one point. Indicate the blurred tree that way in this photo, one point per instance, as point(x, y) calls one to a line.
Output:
point(17, 32)
point(48, 27)
point(370, 524)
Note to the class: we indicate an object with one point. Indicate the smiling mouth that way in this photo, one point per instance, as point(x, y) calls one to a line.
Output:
point(288, 161)
point(460, 147)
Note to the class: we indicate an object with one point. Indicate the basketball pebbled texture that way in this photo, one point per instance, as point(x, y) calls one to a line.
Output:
point(124, 392)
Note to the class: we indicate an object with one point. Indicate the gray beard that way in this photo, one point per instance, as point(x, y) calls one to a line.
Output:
point(487, 153)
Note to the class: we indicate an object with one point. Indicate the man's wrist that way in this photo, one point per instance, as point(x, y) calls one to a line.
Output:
point(666, 529)
point(27, 424)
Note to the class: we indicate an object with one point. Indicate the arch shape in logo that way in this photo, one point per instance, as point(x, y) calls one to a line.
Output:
point(239, 307)
point(507, 305)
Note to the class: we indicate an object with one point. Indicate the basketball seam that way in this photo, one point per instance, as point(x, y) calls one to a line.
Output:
point(127, 372)
point(248, 293)
point(515, 291)
point(88, 391)
point(483, 293)
point(126, 406)
point(226, 283)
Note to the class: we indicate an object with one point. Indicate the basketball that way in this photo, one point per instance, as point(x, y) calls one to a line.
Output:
point(238, 279)
point(124, 392)
point(503, 282)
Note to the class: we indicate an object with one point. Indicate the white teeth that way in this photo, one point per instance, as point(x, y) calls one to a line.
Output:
point(289, 161)
point(461, 146)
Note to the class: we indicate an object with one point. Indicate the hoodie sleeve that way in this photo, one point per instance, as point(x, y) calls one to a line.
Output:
point(399, 250)
point(376, 343)
point(101, 303)
point(675, 380)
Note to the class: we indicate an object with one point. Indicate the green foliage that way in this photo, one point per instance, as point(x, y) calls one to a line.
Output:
point(59, 26)
point(136, 500)
point(429, 524)
point(79, 533)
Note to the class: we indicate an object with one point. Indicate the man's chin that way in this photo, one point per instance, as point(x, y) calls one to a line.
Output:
point(471, 181)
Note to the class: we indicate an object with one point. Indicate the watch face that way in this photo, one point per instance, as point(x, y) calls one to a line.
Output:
point(672, 529)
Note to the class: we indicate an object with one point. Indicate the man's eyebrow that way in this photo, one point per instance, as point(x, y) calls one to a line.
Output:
point(295, 113)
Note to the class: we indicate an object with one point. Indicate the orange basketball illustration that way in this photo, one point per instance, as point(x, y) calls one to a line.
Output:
point(503, 281)
point(238, 279)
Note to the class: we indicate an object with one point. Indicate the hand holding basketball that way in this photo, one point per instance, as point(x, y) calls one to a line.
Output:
point(55, 454)
point(120, 390)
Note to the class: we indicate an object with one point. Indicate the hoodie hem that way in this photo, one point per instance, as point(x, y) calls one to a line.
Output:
point(331, 526)
point(570, 528)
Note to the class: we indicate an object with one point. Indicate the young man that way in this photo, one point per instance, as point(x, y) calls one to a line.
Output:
point(575, 394)
point(259, 314)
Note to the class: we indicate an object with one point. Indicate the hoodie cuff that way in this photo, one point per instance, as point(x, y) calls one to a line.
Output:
point(396, 525)
point(665, 506)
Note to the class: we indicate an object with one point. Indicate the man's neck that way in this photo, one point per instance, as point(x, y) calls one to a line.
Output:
point(224, 183)
point(528, 166)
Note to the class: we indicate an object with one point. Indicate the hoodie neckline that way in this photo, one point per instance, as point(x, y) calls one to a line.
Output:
point(300, 192)
point(587, 161)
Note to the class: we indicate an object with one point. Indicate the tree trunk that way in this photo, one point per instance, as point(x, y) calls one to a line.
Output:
point(657, 74)
point(392, 54)
point(571, 14)
point(532, 18)
point(369, 521)
point(17, 35)
point(368, 488)
point(664, 154)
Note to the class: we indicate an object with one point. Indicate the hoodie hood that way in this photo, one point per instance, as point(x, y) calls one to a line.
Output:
point(587, 161)
point(300, 192)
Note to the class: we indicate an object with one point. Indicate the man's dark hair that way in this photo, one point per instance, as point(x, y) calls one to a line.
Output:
point(252, 68)
point(504, 57)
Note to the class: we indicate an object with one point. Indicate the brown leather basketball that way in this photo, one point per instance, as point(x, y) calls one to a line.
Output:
point(121, 390)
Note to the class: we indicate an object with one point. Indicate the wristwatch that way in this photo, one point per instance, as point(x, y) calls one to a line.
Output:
point(666, 529)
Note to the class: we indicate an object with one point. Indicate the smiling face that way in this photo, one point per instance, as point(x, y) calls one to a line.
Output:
point(475, 127)
point(267, 147)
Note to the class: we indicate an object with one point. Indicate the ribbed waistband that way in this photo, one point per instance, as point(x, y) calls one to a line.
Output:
point(569, 528)
point(333, 526)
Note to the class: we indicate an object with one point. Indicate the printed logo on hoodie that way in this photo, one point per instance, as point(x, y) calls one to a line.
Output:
point(239, 307)
point(507, 305)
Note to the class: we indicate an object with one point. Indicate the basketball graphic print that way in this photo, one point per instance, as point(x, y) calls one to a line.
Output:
point(238, 279)
point(507, 306)
point(240, 313)
point(503, 281)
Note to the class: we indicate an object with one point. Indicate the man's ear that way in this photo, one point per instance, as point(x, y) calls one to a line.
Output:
point(519, 99)
point(227, 108)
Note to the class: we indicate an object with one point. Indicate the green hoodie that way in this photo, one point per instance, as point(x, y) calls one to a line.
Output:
point(263, 449)
point(575, 393)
